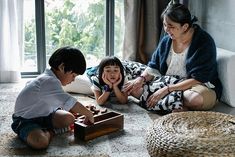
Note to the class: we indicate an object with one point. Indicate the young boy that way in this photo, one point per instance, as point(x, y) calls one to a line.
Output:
point(43, 106)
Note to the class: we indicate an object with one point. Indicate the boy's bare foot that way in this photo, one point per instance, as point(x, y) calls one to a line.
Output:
point(50, 134)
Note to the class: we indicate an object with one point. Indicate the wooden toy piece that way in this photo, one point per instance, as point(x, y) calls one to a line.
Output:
point(80, 120)
point(94, 110)
point(104, 110)
point(76, 115)
point(104, 124)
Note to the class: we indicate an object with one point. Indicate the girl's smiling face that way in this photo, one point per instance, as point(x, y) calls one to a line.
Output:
point(112, 73)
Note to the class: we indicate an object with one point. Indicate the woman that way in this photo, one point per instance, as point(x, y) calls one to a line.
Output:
point(188, 55)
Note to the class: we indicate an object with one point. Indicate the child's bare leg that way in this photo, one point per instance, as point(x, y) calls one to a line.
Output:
point(39, 139)
point(62, 119)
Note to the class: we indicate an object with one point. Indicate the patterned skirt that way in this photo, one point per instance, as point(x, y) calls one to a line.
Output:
point(171, 101)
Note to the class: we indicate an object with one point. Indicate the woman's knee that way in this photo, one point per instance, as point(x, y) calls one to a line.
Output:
point(193, 100)
point(38, 139)
point(200, 98)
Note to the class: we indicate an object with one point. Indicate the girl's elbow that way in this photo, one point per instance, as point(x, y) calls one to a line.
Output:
point(101, 103)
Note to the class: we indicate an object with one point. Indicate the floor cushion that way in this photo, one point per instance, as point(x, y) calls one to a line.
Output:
point(81, 85)
point(226, 63)
point(192, 134)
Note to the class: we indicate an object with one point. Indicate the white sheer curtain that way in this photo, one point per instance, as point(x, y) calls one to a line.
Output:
point(11, 20)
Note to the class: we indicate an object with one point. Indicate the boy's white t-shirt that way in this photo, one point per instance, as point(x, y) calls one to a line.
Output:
point(42, 96)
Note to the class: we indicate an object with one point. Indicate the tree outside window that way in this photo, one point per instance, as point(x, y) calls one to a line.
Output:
point(78, 23)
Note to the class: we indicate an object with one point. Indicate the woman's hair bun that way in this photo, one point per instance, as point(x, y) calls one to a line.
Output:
point(194, 19)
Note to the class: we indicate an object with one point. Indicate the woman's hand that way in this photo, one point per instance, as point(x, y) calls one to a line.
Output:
point(156, 96)
point(133, 85)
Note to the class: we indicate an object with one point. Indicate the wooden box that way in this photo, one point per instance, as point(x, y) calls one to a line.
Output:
point(103, 124)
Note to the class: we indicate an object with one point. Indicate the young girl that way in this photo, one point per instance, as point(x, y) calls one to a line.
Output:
point(109, 81)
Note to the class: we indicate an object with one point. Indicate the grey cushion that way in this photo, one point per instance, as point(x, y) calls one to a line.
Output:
point(226, 70)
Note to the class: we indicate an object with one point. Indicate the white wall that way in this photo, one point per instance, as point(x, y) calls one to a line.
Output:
point(218, 18)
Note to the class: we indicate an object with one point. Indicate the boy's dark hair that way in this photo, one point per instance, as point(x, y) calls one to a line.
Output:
point(110, 60)
point(72, 58)
point(179, 13)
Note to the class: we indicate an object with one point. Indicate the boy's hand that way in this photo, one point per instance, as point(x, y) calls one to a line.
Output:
point(89, 118)
point(87, 121)
point(83, 110)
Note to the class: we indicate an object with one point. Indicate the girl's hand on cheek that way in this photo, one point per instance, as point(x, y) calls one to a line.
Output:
point(106, 81)
point(118, 81)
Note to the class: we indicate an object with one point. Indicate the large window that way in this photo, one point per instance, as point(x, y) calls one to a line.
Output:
point(29, 56)
point(93, 26)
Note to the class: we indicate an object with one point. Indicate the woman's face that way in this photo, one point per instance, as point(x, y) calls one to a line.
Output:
point(112, 73)
point(173, 29)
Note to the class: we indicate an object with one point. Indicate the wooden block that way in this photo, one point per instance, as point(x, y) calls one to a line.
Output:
point(104, 124)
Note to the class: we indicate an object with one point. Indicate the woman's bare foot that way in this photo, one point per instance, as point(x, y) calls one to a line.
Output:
point(180, 110)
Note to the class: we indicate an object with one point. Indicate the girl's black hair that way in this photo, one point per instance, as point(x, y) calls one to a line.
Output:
point(179, 13)
point(72, 58)
point(107, 61)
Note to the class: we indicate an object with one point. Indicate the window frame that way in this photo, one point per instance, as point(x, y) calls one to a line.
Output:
point(41, 39)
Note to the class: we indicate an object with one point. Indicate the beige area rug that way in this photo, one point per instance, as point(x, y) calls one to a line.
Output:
point(129, 142)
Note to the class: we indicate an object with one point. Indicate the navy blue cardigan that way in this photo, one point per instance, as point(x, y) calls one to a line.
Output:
point(200, 61)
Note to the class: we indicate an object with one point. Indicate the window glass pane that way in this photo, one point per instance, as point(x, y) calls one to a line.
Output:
point(118, 28)
point(79, 23)
point(29, 57)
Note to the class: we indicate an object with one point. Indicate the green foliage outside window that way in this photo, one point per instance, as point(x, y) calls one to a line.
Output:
point(66, 26)
point(67, 23)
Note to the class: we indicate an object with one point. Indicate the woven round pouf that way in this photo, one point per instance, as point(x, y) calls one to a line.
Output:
point(192, 134)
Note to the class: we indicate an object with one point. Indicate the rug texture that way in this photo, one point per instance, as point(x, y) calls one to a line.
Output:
point(130, 142)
